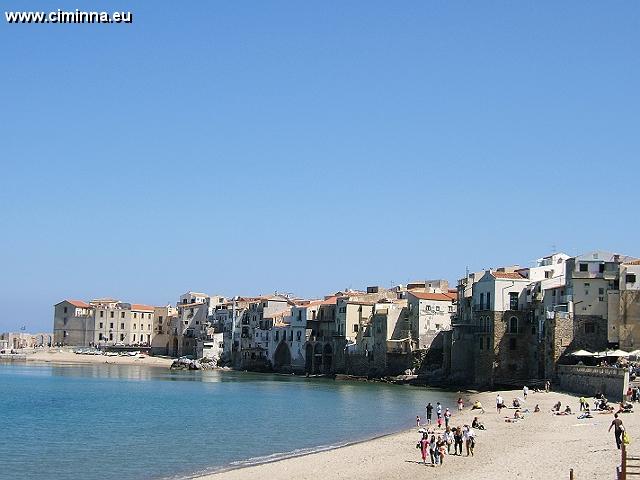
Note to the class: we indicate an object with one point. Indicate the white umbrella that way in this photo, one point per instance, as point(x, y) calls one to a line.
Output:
point(617, 353)
point(582, 353)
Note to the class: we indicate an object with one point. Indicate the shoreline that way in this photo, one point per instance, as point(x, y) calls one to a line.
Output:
point(540, 446)
point(65, 357)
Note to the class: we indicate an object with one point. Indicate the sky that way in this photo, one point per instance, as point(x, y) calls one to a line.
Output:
point(258, 146)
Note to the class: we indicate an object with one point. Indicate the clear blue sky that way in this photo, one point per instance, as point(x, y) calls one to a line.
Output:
point(244, 147)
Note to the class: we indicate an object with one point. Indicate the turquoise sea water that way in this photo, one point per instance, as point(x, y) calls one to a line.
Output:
point(130, 422)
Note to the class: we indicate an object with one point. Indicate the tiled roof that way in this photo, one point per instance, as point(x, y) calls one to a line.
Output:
point(633, 262)
point(78, 303)
point(508, 275)
point(440, 297)
point(139, 307)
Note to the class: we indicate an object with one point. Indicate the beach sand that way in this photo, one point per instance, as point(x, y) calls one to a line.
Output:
point(59, 356)
point(542, 446)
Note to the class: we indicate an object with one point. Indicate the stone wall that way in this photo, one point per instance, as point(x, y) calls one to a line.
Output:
point(587, 381)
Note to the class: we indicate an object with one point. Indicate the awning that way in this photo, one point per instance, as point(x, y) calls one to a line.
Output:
point(582, 353)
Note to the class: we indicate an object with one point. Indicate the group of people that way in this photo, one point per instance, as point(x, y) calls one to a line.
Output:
point(437, 446)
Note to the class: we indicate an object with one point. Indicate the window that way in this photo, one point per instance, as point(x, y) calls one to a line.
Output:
point(111, 314)
point(135, 315)
point(450, 308)
point(428, 308)
point(547, 274)
point(111, 336)
point(121, 314)
point(160, 318)
point(589, 327)
point(488, 343)
point(584, 267)
point(101, 325)
point(121, 326)
point(101, 313)
point(65, 309)
point(513, 301)
point(488, 300)
point(134, 326)
point(134, 337)
point(601, 268)
point(111, 325)
point(100, 337)
point(630, 278)
point(481, 343)
point(513, 344)
point(355, 328)
point(482, 301)
point(513, 325)
point(148, 326)
point(437, 308)
point(121, 337)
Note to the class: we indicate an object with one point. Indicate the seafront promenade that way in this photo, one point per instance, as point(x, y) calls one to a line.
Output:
point(542, 446)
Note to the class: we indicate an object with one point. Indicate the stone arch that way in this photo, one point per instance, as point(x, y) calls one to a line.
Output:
point(282, 356)
point(175, 347)
point(513, 325)
point(317, 358)
point(308, 358)
point(327, 358)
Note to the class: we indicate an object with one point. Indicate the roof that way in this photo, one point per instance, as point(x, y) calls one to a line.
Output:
point(332, 300)
point(77, 303)
point(508, 275)
point(439, 297)
point(603, 256)
point(140, 307)
point(633, 262)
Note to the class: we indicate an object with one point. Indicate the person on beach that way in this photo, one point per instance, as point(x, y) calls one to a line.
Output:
point(417, 420)
point(582, 402)
point(499, 403)
point(477, 405)
point(618, 430)
point(447, 417)
point(429, 409)
point(448, 439)
point(457, 440)
point(525, 392)
point(537, 409)
point(432, 450)
point(468, 435)
point(476, 424)
point(460, 404)
point(441, 449)
point(547, 386)
point(424, 447)
point(438, 409)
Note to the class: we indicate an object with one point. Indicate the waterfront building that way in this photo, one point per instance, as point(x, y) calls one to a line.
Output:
point(624, 307)
point(120, 323)
point(430, 313)
point(73, 323)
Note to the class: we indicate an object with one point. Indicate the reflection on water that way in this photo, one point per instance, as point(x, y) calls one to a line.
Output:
point(132, 421)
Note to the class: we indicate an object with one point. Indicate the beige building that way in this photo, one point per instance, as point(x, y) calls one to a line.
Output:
point(430, 313)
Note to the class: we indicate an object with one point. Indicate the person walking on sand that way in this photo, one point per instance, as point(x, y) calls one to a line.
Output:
point(457, 439)
point(432, 449)
point(460, 404)
point(582, 402)
point(424, 447)
point(618, 430)
point(525, 392)
point(439, 414)
point(499, 403)
point(547, 386)
point(429, 409)
point(441, 450)
point(468, 436)
point(417, 420)
point(448, 439)
point(447, 417)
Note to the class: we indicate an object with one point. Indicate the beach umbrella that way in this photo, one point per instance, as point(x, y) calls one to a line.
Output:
point(582, 353)
point(617, 353)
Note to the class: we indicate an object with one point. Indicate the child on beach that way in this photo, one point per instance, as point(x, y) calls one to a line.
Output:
point(417, 420)
point(460, 404)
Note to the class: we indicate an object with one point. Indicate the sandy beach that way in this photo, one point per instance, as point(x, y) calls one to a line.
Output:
point(59, 356)
point(542, 446)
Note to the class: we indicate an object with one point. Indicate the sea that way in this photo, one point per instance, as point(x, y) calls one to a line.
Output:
point(141, 422)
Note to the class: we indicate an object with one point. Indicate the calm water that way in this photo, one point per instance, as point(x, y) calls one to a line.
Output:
point(129, 422)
